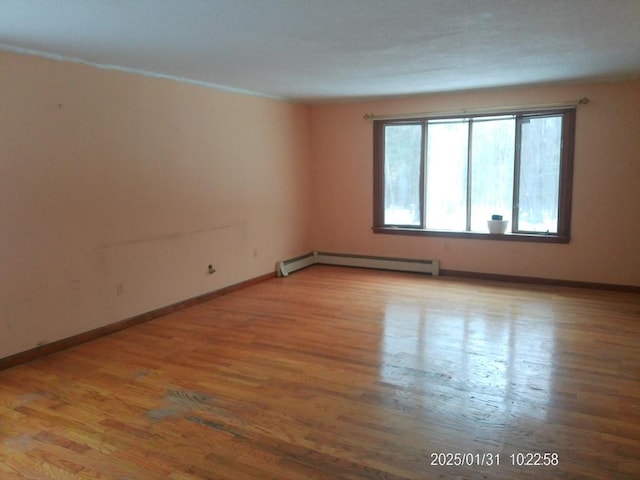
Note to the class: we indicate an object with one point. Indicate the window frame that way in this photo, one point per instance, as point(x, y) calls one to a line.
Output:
point(565, 184)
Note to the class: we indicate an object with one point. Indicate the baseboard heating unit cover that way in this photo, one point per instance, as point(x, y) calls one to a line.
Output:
point(286, 267)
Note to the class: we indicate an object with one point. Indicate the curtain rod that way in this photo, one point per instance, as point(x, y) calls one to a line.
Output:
point(511, 108)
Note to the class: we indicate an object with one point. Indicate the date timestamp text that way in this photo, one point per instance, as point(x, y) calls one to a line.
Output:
point(520, 459)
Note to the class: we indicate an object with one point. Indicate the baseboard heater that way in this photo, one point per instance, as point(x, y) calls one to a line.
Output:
point(286, 267)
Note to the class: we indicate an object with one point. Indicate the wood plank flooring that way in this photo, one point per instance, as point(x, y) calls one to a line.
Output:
point(336, 373)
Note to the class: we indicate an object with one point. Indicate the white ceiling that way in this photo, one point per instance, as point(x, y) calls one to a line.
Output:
point(318, 50)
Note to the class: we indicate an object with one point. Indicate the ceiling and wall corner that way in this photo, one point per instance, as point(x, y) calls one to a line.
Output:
point(312, 51)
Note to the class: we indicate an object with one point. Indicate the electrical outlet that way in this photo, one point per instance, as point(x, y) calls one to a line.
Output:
point(211, 269)
point(119, 289)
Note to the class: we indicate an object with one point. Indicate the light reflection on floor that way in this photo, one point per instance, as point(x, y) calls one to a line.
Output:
point(487, 366)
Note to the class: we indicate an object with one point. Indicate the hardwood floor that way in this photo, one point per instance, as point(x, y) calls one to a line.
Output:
point(335, 373)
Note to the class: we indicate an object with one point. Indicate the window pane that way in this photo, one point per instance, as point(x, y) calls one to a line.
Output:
point(492, 154)
point(403, 149)
point(446, 203)
point(540, 174)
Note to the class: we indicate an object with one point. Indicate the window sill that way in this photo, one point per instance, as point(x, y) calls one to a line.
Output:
point(508, 237)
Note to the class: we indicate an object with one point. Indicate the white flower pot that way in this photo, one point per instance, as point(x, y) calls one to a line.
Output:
point(497, 226)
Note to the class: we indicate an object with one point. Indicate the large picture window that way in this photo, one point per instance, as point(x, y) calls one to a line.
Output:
point(448, 175)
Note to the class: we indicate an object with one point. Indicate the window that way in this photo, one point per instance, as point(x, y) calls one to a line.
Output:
point(448, 176)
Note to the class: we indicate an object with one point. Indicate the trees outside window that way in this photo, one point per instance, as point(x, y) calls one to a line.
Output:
point(439, 176)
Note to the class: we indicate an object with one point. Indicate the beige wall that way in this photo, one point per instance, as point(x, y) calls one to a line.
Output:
point(109, 179)
point(117, 191)
point(605, 244)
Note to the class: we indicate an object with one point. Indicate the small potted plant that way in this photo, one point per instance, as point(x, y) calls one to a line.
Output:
point(497, 224)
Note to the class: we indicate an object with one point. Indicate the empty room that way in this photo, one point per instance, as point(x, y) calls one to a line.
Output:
point(319, 239)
